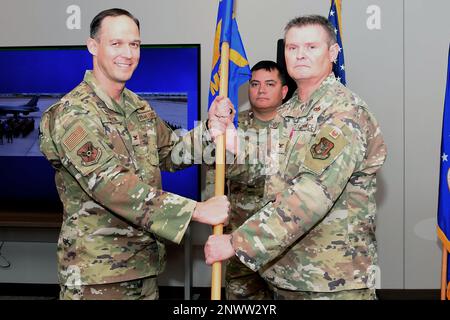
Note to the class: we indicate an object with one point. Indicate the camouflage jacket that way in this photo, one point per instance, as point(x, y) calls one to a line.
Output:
point(245, 189)
point(107, 159)
point(317, 233)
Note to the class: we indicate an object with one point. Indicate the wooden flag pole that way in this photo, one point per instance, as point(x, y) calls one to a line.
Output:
point(219, 186)
point(338, 14)
point(444, 273)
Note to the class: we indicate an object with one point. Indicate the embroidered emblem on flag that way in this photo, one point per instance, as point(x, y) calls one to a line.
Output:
point(75, 138)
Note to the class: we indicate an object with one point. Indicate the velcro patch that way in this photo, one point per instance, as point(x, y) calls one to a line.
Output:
point(89, 150)
point(325, 150)
point(89, 154)
point(334, 133)
point(146, 116)
point(75, 138)
point(322, 149)
point(135, 139)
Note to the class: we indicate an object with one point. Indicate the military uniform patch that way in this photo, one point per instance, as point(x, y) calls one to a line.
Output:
point(145, 116)
point(334, 134)
point(326, 148)
point(89, 154)
point(145, 113)
point(322, 149)
point(135, 140)
point(75, 138)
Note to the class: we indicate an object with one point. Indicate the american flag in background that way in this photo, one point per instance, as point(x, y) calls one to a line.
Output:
point(443, 218)
point(334, 16)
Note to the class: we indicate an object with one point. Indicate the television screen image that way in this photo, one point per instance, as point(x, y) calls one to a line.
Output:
point(20, 117)
point(34, 78)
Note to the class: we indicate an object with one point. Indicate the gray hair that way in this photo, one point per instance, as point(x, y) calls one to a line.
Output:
point(309, 20)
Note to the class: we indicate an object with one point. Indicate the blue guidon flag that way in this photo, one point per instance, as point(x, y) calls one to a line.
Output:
point(443, 227)
point(334, 16)
point(239, 70)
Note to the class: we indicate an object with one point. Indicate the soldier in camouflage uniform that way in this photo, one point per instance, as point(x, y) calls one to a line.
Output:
point(315, 237)
point(107, 147)
point(267, 90)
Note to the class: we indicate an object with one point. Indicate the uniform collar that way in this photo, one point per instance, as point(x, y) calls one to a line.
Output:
point(258, 121)
point(296, 108)
point(126, 106)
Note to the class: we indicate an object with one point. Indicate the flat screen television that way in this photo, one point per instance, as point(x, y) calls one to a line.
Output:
point(33, 78)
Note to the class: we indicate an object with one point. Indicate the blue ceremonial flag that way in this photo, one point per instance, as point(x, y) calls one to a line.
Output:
point(334, 16)
point(444, 178)
point(239, 70)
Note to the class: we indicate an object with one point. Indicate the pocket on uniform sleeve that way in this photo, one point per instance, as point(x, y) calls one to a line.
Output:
point(152, 151)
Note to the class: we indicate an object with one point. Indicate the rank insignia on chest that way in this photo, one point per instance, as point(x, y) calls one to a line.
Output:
point(322, 149)
point(89, 154)
point(135, 140)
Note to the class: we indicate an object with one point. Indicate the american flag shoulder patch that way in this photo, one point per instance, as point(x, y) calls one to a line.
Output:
point(75, 138)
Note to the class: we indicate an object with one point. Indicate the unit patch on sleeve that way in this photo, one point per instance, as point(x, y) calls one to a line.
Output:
point(322, 149)
point(83, 149)
point(89, 154)
point(326, 148)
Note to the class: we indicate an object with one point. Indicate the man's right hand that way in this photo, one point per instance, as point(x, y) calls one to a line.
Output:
point(221, 109)
point(213, 211)
point(220, 119)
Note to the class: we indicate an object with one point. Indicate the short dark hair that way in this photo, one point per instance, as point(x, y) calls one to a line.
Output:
point(269, 65)
point(309, 20)
point(114, 12)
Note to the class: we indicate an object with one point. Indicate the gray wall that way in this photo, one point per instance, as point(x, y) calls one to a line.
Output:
point(427, 37)
point(399, 70)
